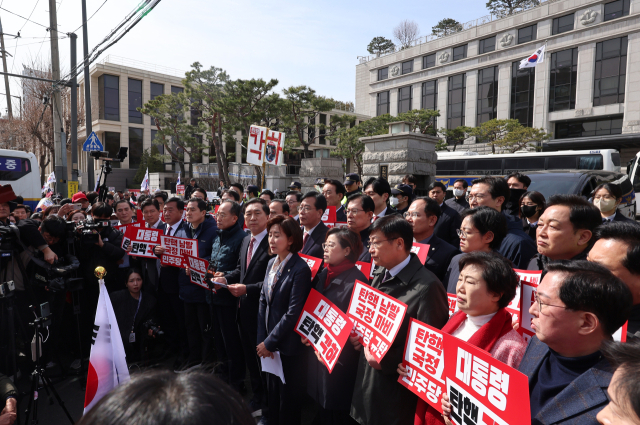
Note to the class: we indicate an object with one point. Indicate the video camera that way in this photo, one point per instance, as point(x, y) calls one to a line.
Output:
point(87, 231)
point(153, 326)
point(57, 276)
point(9, 235)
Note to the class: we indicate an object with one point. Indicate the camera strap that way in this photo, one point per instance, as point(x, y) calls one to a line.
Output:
point(132, 334)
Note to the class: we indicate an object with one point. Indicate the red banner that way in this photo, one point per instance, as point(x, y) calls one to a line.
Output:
point(142, 241)
point(325, 326)
point(329, 217)
point(180, 189)
point(525, 295)
point(123, 227)
point(176, 248)
point(313, 263)
point(139, 217)
point(377, 318)
point(341, 224)
point(197, 270)
point(421, 250)
point(453, 303)
point(515, 307)
point(365, 268)
point(481, 389)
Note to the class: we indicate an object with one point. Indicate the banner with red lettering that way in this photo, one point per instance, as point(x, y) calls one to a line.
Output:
point(123, 227)
point(365, 268)
point(453, 303)
point(481, 389)
point(529, 281)
point(176, 248)
point(313, 263)
point(325, 326)
point(376, 316)
point(197, 270)
point(514, 306)
point(421, 250)
point(329, 217)
point(142, 241)
point(179, 189)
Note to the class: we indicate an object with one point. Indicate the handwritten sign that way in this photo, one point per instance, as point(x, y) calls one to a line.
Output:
point(176, 248)
point(377, 318)
point(142, 241)
point(325, 326)
point(313, 263)
point(197, 270)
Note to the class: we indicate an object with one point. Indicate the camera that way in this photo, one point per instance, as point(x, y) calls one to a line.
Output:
point(6, 288)
point(151, 324)
point(88, 231)
point(9, 235)
point(56, 276)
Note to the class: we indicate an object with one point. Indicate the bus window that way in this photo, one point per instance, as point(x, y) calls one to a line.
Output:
point(448, 167)
point(561, 163)
point(591, 162)
point(482, 167)
point(12, 169)
point(512, 165)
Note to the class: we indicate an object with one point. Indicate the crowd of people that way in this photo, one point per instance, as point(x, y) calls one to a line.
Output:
point(587, 251)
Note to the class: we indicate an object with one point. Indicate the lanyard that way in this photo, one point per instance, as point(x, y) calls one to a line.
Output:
point(133, 325)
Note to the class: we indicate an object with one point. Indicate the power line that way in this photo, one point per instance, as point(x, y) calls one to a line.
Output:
point(27, 19)
point(92, 15)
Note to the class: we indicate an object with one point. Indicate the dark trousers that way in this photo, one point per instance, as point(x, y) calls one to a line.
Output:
point(226, 338)
point(285, 400)
point(172, 320)
point(248, 326)
point(333, 417)
point(197, 318)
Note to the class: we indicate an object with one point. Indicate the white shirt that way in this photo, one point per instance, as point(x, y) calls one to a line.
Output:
point(259, 237)
point(398, 267)
point(382, 213)
point(610, 218)
point(312, 229)
point(155, 226)
point(471, 326)
point(172, 229)
point(296, 217)
point(534, 224)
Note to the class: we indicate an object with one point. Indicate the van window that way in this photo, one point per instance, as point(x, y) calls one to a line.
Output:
point(615, 158)
point(591, 162)
point(12, 168)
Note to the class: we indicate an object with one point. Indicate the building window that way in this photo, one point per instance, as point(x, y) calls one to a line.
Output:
point(610, 73)
point(429, 61)
point(160, 148)
point(112, 145)
point(487, 45)
point(522, 94)
point(487, 94)
point(586, 128)
point(455, 108)
point(135, 147)
point(404, 99)
point(321, 153)
point(175, 89)
point(459, 52)
point(430, 98)
point(109, 92)
point(563, 24)
point(196, 153)
point(135, 101)
point(616, 9)
point(155, 90)
point(407, 67)
point(323, 131)
point(527, 33)
point(563, 77)
point(382, 103)
point(383, 74)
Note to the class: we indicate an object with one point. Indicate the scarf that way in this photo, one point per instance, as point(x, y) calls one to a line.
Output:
point(335, 271)
point(484, 338)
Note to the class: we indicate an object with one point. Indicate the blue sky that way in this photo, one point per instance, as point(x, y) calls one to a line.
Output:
point(297, 42)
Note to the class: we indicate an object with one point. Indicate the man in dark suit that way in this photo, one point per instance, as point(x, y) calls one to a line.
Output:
point(579, 306)
point(459, 201)
point(334, 191)
point(312, 208)
point(377, 398)
point(423, 216)
point(449, 221)
point(151, 267)
point(245, 283)
point(359, 213)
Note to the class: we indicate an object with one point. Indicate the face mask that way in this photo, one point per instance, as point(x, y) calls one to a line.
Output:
point(605, 205)
point(529, 210)
point(394, 201)
point(458, 192)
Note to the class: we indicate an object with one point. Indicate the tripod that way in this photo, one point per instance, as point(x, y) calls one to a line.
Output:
point(39, 374)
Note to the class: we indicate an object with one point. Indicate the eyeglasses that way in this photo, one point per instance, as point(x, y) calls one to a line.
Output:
point(327, 247)
point(305, 209)
point(540, 303)
point(353, 211)
point(478, 197)
point(376, 244)
point(411, 215)
point(462, 234)
point(221, 216)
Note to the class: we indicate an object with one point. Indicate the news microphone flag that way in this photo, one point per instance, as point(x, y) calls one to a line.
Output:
point(179, 182)
point(107, 362)
point(145, 182)
point(534, 59)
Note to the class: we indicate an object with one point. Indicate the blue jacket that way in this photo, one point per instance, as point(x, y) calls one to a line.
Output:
point(205, 234)
point(224, 257)
point(517, 246)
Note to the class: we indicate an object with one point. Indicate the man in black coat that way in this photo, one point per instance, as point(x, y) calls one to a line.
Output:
point(334, 192)
point(360, 211)
point(190, 188)
point(459, 201)
point(449, 221)
point(312, 208)
point(151, 267)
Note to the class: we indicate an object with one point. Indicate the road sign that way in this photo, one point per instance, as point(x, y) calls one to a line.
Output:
point(92, 143)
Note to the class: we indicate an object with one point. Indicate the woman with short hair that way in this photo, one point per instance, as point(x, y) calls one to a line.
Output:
point(532, 205)
point(607, 197)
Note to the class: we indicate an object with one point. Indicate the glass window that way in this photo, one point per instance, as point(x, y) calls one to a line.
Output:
point(610, 72)
point(382, 103)
point(487, 94)
point(512, 165)
point(196, 154)
point(563, 78)
point(156, 89)
point(135, 101)
point(456, 97)
point(487, 45)
point(323, 120)
point(616, 9)
point(430, 98)
point(20, 168)
point(160, 148)
point(109, 93)
point(112, 145)
point(527, 33)
point(135, 147)
point(429, 61)
point(459, 52)
point(522, 94)
point(175, 89)
point(563, 24)
point(407, 67)
point(586, 128)
point(450, 167)
point(383, 74)
point(484, 167)
point(404, 99)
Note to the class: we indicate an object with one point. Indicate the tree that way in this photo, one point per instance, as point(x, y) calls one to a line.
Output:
point(151, 160)
point(455, 136)
point(380, 45)
point(441, 145)
point(502, 8)
point(422, 120)
point(405, 32)
point(494, 131)
point(523, 138)
point(446, 27)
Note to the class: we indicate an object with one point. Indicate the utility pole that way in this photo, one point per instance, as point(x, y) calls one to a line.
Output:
point(60, 145)
point(6, 77)
point(74, 111)
point(87, 93)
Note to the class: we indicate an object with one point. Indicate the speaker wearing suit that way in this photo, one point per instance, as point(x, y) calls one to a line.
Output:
point(312, 208)
point(313, 243)
point(448, 223)
point(439, 257)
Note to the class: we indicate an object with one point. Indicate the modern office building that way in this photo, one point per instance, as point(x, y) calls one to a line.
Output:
point(586, 92)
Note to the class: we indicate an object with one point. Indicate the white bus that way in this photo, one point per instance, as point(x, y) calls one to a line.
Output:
point(633, 171)
point(21, 171)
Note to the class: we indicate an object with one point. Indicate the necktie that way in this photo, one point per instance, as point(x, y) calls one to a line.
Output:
point(375, 218)
point(250, 252)
point(169, 229)
point(387, 276)
point(304, 240)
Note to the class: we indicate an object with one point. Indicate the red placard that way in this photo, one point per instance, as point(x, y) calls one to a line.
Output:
point(329, 217)
point(139, 217)
point(123, 227)
point(197, 270)
point(453, 303)
point(341, 224)
point(180, 189)
point(421, 250)
point(325, 326)
point(525, 295)
point(481, 389)
point(376, 316)
point(365, 268)
point(142, 241)
point(176, 248)
point(515, 306)
point(313, 263)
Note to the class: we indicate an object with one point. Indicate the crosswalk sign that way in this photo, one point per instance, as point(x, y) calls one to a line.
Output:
point(92, 143)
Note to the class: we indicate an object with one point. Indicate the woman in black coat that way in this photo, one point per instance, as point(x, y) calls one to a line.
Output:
point(607, 197)
point(532, 205)
point(332, 391)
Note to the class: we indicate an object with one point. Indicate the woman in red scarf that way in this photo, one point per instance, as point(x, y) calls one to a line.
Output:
point(486, 285)
point(332, 392)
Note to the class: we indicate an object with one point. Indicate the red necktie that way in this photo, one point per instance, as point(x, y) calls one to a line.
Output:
point(304, 240)
point(375, 218)
point(250, 253)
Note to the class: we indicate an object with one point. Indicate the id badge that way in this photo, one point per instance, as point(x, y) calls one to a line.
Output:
point(132, 337)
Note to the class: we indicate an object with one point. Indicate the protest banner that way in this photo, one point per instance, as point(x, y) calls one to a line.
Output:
point(376, 316)
point(197, 270)
point(325, 326)
point(274, 148)
point(421, 250)
point(313, 263)
point(525, 295)
point(329, 217)
point(365, 268)
point(453, 303)
point(481, 389)
point(139, 217)
point(176, 248)
point(180, 189)
point(142, 241)
point(123, 227)
point(255, 145)
point(341, 224)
